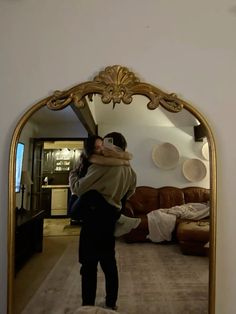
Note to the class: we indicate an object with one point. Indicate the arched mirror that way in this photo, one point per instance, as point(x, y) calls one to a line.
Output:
point(149, 118)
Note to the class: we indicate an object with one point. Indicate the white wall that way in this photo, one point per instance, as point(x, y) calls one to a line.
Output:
point(183, 46)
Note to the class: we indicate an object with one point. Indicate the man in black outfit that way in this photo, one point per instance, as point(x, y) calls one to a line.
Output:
point(101, 193)
point(97, 244)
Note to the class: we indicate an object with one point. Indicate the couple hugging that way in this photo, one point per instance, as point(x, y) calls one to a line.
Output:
point(100, 186)
point(97, 156)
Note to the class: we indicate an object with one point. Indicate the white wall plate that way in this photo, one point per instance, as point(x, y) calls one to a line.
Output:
point(165, 156)
point(194, 170)
point(205, 151)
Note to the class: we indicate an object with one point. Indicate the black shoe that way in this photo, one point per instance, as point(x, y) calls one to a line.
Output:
point(114, 308)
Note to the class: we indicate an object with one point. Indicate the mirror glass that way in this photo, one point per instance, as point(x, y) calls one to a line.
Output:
point(146, 131)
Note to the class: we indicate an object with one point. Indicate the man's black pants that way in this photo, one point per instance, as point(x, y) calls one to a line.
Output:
point(97, 245)
point(89, 280)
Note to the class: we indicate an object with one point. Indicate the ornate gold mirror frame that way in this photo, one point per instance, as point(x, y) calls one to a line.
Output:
point(115, 84)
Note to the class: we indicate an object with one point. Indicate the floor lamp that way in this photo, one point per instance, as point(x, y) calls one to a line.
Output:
point(25, 181)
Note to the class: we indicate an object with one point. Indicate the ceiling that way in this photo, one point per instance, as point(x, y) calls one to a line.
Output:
point(45, 115)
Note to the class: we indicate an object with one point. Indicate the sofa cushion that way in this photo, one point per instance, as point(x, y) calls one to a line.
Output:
point(170, 196)
point(196, 195)
point(144, 200)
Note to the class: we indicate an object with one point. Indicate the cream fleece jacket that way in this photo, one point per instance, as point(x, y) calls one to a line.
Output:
point(111, 181)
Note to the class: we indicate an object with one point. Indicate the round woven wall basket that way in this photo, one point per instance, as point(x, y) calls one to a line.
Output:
point(165, 156)
point(194, 170)
point(205, 151)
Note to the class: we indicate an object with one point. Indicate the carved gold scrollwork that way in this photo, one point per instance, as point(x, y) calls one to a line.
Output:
point(118, 82)
point(115, 84)
point(171, 103)
point(60, 100)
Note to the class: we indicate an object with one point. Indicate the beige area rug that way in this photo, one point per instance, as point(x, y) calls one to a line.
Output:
point(154, 279)
point(59, 227)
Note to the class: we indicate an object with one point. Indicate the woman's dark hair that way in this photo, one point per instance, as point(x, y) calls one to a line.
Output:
point(118, 139)
point(89, 144)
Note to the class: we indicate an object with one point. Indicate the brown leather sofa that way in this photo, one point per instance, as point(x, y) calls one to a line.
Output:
point(148, 198)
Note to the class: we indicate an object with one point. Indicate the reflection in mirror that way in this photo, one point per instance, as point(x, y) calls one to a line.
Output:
point(145, 131)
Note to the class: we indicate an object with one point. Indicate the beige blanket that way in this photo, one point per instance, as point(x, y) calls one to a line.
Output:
point(161, 222)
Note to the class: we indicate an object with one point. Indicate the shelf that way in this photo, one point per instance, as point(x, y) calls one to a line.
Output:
point(59, 186)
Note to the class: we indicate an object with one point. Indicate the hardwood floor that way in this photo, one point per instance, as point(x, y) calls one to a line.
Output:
point(30, 277)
